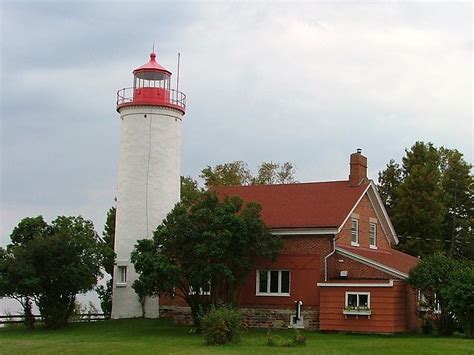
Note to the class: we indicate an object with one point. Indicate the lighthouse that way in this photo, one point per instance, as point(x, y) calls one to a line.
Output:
point(148, 173)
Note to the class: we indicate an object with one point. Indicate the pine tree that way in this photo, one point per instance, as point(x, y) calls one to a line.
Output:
point(389, 180)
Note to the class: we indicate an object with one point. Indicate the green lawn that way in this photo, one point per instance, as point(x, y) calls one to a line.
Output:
point(162, 337)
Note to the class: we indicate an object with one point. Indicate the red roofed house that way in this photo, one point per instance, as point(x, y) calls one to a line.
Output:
point(337, 259)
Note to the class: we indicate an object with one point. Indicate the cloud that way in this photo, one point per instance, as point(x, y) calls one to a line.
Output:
point(303, 82)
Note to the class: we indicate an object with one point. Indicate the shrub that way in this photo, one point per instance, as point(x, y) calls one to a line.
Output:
point(278, 341)
point(222, 325)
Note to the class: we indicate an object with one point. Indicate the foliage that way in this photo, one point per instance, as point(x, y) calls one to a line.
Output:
point(458, 198)
point(357, 308)
point(298, 339)
point(237, 173)
point(460, 295)
point(274, 173)
point(108, 261)
point(109, 239)
point(189, 189)
point(210, 243)
point(222, 325)
point(435, 276)
point(105, 296)
point(389, 181)
point(50, 264)
point(430, 201)
point(17, 274)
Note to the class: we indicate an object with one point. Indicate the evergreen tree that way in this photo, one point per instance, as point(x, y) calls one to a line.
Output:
point(389, 180)
point(458, 197)
point(430, 201)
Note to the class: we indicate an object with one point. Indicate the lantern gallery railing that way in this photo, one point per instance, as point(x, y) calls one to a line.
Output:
point(170, 97)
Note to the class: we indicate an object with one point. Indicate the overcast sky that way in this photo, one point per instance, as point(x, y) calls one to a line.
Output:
point(301, 82)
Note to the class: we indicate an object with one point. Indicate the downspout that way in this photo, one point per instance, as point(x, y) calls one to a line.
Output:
point(326, 258)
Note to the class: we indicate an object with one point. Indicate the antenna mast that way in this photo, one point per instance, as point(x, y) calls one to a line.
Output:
point(177, 77)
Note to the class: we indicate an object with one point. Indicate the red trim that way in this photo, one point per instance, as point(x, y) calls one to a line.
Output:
point(130, 104)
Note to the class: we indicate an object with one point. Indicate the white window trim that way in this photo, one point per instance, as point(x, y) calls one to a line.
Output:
point(356, 243)
point(373, 246)
point(201, 291)
point(279, 293)
point(357, 293)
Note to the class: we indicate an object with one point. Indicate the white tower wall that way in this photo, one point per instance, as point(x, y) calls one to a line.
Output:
point(148, 188)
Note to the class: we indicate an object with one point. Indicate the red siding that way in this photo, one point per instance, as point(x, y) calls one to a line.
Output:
point(388, 305)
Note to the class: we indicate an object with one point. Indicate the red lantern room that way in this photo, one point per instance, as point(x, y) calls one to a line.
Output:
point(151, 87)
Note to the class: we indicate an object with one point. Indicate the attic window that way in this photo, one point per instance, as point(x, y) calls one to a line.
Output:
point(355, 232)
point(373, 236)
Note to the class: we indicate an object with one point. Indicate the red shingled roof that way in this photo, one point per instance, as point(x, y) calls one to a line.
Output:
point(303, 205)
point(392, 258)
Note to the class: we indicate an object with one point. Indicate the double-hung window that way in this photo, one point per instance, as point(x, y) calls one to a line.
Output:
point(273, 282)
point(355, 232)
point(373, 235)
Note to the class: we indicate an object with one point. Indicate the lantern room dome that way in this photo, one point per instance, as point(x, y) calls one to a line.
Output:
point(151, 70)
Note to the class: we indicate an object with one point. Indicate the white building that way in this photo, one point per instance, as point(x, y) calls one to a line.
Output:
point(148, 173)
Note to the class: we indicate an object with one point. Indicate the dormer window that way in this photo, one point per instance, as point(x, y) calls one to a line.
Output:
point(355, 232)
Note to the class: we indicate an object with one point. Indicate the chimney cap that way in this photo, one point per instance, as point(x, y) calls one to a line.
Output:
point(359, 151)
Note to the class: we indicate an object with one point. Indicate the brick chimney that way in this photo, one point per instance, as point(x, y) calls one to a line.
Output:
point(358, 172)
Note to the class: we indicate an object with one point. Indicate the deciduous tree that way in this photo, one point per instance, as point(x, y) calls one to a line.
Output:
point(52, 263)
point(436, 276)
point(211, 245)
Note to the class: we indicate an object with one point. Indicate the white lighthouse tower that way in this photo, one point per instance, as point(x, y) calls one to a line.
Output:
point(148, 173)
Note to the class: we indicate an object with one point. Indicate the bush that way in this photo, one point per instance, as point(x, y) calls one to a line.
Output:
point(222, 325)
point(278, 341)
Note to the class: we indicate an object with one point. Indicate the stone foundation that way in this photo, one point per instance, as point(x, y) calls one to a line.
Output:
point(254, 317)
point(180, 315)
point(278, 318)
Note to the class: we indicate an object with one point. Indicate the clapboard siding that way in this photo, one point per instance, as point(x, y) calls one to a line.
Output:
point(388, 306)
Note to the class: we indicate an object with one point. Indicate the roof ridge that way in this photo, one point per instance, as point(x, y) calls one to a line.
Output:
point(288, 184)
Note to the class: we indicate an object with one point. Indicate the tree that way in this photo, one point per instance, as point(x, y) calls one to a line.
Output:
point(17, 276)
point(107, 247)
point(229, 174)
point(52, 263)
point(433, 276)
point(460, 293)
point(237, 173)
point(274, 173)
point(430, 201)
point(458, 198)
point(210, 245)
point(389, 181)
point(109, 240)
point(189, 189)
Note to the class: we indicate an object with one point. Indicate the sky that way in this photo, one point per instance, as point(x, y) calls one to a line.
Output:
point(306, 82)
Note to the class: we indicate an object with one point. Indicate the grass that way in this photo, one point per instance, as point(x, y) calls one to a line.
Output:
point(145, 336)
